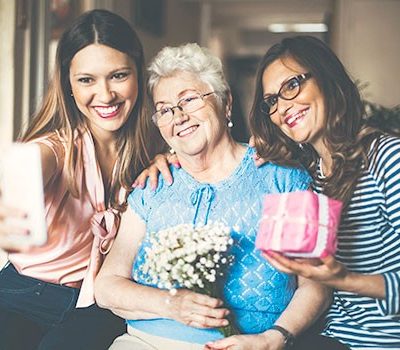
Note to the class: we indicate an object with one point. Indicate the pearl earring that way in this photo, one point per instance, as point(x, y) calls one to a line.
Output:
point(172, 151)
point(230, 124)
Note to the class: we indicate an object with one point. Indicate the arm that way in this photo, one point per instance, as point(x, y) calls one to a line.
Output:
point(49, 167)
point(331, 273)
point(135, 301)
point(308, 303)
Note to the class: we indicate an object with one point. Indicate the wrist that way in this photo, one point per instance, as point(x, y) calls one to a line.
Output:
point(286, 336)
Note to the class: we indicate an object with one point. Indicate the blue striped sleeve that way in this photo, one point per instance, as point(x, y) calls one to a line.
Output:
point(388, 163)
point(391, 304)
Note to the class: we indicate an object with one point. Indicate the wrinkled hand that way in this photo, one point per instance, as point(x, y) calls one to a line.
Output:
point(268, 340)
point(196, 310)
point(326, 270)
point(15, 227)
point(160, 164)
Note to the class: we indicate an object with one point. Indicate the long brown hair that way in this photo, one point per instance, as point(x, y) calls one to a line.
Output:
point(345, 136)
point(59, 112)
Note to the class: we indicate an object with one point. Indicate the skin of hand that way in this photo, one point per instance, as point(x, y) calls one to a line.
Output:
point(332, 273)
point(160, 164)
point(269, 340)
point(196, 310)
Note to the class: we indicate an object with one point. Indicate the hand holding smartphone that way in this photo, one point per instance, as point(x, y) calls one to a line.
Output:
point(21, 187)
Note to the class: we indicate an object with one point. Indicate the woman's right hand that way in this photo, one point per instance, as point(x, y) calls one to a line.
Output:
point(12, 224)
point(196, 310)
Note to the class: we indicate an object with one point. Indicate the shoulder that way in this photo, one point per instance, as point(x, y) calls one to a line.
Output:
point(384, 152)
point(284, 179)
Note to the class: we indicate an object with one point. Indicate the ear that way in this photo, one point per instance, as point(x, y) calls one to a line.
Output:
point(228, 107)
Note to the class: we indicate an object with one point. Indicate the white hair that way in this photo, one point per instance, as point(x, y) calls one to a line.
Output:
point(193, 59)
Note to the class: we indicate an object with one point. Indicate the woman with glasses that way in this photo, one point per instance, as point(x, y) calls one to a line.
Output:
point(308, 111)
point(218, 181)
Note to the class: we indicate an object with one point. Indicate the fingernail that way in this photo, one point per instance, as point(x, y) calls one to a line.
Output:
point(177, 165)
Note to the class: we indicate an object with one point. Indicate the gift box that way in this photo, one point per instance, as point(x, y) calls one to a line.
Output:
point(299, 224)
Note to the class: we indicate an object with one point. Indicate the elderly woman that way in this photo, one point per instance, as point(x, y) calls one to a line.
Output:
point(217, 181)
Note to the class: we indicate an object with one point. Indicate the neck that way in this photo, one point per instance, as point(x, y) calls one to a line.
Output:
point(216, 163)
point(326, 157)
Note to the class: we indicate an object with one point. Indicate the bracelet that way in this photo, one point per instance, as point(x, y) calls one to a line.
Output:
point(288, 337)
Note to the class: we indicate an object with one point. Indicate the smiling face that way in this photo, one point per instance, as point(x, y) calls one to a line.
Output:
point(302, 118)
point(105, 87)
point(192, 133)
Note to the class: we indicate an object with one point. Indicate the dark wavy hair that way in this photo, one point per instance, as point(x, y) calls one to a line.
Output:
point(344, 133)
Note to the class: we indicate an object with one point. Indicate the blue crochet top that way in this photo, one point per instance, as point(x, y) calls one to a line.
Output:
point(254, 291)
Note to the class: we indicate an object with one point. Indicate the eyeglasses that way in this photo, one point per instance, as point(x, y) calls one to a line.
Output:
point(288, 91)
point(188, 104)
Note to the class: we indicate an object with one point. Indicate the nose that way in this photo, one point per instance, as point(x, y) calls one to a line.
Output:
point(284, 106)
point(179, 116)
point(105, 93)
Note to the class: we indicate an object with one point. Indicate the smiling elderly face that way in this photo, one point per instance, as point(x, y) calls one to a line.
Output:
point(193, 133)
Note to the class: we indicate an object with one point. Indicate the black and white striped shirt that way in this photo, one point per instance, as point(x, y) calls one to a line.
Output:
point(369, 243)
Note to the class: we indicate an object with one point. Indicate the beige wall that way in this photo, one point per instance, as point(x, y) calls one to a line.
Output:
point(181, 24)
point(367, 39)
point(7, 25)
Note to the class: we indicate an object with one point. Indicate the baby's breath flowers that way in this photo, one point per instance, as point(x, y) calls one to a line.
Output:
point(188, 256)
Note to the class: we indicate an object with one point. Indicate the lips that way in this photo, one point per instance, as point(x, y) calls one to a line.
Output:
point(293, 119)
point(108, 111)
point(187, 131)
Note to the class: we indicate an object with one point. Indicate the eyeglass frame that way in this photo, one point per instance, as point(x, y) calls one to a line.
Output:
point(301, 78)
point(172, 108)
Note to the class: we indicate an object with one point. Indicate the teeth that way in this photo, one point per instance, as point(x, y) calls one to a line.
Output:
point(296, 116)
point(107, 110)
point(186, 131)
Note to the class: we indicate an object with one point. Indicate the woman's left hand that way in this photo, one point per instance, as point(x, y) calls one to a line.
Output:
point(326, 270)
point(268, 340)
point(160, 164)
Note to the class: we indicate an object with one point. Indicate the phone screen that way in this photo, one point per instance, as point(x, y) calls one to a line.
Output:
point(22, 187)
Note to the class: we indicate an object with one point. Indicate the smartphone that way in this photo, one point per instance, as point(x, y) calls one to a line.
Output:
point(21, 185)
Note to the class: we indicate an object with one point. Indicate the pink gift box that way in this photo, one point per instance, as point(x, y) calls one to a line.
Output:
point(299, 224)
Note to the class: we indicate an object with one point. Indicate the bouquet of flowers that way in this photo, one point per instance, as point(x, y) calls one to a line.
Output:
point(188, 256)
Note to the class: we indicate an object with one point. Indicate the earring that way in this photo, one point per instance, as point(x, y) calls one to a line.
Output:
point(72, 95)
point(301, 146)
point(228, 116)
point(172, 151)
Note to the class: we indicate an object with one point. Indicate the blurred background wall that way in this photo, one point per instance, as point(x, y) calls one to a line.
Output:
point(365, 34)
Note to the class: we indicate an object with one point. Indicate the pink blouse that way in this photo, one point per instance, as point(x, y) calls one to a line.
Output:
point(80, 230)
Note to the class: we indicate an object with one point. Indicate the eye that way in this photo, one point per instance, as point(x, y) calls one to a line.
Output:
point(85, 80)
point(120, 75)
point(164, 111)
point(188, 99)
point(271, 100)
point(292, 84)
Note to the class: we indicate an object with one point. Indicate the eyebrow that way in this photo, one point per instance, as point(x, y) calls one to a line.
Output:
point(123, 68)
point(180, 95)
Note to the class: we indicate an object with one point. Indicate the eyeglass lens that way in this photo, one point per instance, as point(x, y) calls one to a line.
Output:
point(288, 91)
point(188, 104)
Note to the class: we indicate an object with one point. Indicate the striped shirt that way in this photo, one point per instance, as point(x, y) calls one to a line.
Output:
point(369, 243)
